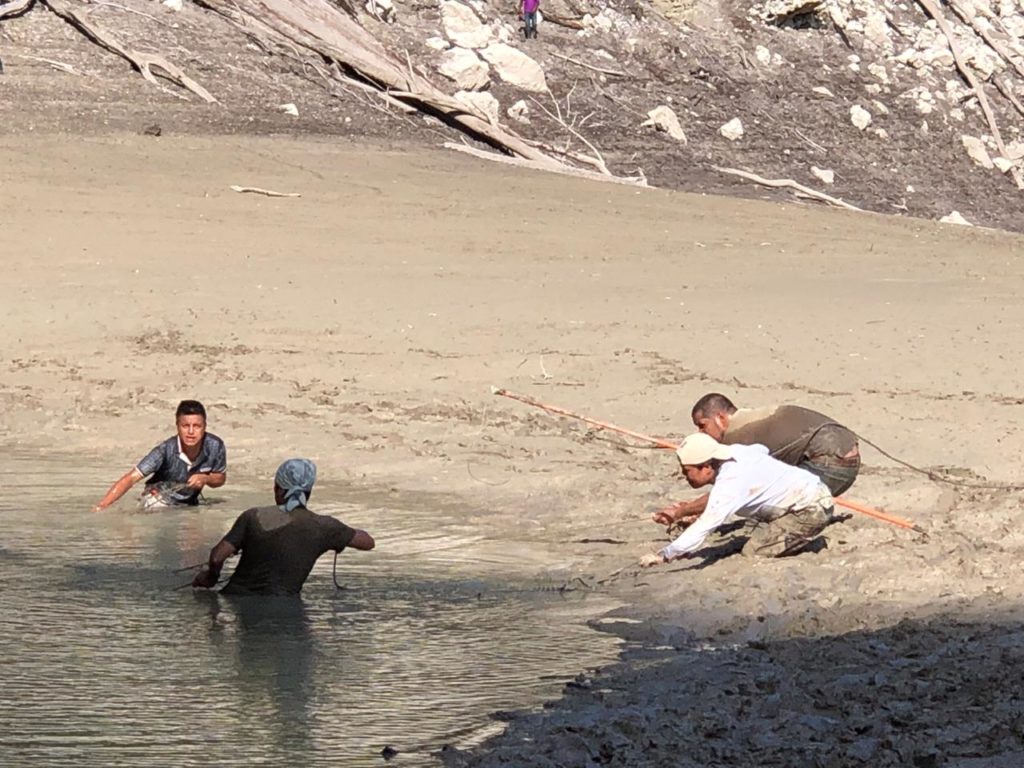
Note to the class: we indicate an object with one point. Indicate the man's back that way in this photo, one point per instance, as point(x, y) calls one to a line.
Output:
point(279, 548)
point(790, 432)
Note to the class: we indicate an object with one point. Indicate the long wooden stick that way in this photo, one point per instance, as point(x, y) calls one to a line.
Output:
point(851, 505)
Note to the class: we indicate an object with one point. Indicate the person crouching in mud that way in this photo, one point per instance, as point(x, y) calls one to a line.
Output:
point(785, 507)
point(186, 463)
point(280, 544)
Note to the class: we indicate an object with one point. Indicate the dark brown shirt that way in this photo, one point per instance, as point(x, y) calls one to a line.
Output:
point(792, 434)
point(279, 549)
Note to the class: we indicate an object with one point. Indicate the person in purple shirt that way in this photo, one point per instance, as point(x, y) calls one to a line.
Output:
point(528, 10)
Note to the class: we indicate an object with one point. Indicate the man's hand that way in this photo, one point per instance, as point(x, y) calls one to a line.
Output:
point(197, 481)
point(98, 508)
point(205, 579)
point(652, 559)
point(680, 512)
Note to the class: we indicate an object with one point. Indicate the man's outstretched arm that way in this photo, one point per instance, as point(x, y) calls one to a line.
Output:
point(208, 577)
point(119, 489)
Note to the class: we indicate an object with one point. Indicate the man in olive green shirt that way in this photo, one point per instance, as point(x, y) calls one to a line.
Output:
point(794, 435)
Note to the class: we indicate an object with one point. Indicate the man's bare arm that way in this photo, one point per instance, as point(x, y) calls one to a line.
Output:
point(207, 578)
point(119, 489)
point(681, 510)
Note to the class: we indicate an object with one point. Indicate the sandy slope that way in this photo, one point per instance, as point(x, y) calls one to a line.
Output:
point(364, 322)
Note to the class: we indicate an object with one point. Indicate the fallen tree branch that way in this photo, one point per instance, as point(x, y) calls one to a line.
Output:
point(59, 65)
point(564, 21)
point(789, 184)
point(598, 159)
point(577, 62)
point(322, 30)
point(261, 191)
point(1007, 90)
point(933, 11)
point(16, 8)
point(985, 35)
point(143, 62)
point(565, 170)
point(126, 9)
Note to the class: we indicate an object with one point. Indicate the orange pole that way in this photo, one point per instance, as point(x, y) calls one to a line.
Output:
point(852, 505)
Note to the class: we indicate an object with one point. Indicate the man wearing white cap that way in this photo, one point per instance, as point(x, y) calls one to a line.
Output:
point(785, 506)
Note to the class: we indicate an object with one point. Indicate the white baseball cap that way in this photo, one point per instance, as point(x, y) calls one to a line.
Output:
point(698, 448)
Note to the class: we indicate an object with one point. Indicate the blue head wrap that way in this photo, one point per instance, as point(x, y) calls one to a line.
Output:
point(296, 478)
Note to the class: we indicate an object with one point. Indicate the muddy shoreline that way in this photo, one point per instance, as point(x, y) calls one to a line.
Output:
point(364, 323)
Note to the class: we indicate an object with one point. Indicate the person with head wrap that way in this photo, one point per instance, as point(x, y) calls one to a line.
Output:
point(280, 544)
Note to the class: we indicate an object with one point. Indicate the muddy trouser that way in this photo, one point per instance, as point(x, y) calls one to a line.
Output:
point(837, 474)
point(776, 532)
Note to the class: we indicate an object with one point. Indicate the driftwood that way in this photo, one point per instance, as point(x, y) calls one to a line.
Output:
point(600, 70)
point(320, 29)
point(564, 21)
point(985, 35)
point(932, 10)
point(566, 170)
point(790, 184)
point(145, 63)
point(16, 8)
point(265, 192)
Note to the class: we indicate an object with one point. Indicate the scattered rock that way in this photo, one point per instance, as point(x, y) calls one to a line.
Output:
point(733, 130)
point(463, 27)
point(464, 67)
point(977, 152)
point(289, 109)
point(152, 130)
point(481, 102)
point(955, 218)
point(763, 55)
point(382, 10)
point(825, 175)
point(520, 112)
point(665, 120)
point(860, 117)
point(879, 72)
point(174, 5)
point(1003, 165)
point(437, 43)
point(821, 90)
point(515, 67)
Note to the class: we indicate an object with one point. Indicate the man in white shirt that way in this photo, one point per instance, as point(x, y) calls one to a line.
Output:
point(785, 506)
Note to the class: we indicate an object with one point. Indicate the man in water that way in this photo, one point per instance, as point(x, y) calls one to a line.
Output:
point(188, 462)
point(280, 544)
point(797, 436)
point(785, 507)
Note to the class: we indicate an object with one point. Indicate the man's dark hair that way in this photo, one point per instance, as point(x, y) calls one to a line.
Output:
point(190, 408)
point(711, 404)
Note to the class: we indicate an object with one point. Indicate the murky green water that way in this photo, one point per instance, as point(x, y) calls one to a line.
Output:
point(103, 662)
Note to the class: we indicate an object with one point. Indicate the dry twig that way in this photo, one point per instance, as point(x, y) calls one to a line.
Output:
point(267, 192)
point(789, 184)
point(601, 70)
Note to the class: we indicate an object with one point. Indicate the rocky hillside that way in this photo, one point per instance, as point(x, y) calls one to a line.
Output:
point(910, 108)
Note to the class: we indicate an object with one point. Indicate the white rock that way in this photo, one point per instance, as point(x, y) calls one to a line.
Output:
point(437, 43)
point(1015, 150)
point(860, 117)
point(482, 102)
point(821, 90)
point(289, 109)
point(977, 152)
point(520, 112)
point(1003, 164)
point(880, 133)
point(955, 218)
point(383, 10)
point(665, 120)
point(464, 67)
point(463, 27)
point(515, 67)
point(174, 5)
point(763, 55)
point(876, 29)
point(880, 107)
point(873, 88)
point(733, 130)
point(826, 175)
point(879, 72)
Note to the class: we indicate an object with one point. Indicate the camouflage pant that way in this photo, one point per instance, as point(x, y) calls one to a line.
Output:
point(778, 532)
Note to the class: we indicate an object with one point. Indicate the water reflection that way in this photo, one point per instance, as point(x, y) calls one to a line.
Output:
point(103, 663)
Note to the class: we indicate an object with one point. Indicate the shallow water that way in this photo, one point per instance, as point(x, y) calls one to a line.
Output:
point(103, 662)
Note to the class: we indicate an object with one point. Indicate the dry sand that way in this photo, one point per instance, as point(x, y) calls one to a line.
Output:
point(363, 324)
